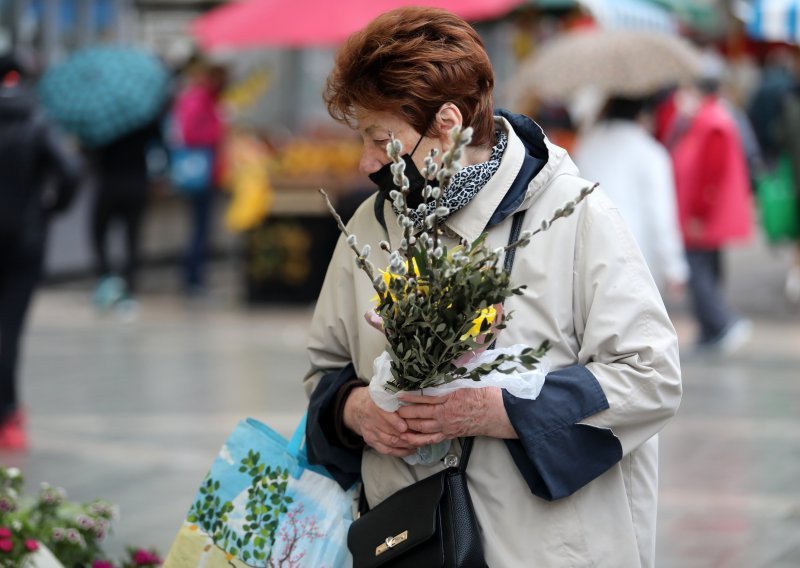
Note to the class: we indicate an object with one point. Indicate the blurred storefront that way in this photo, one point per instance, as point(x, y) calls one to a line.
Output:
point(275, 96)
point(47, 30)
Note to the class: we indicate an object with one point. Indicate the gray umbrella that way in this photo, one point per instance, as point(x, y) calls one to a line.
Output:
point(616, 62)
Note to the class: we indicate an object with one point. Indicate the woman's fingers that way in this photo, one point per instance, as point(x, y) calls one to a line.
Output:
point(419, 411)
point(388, 441)
point(464, 412)
point(422, 426)
point(417, 440)
point(383, 430)
point(412, 398)
point(429, 420)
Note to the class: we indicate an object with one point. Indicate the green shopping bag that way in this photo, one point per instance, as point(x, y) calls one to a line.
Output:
point(263, 504)
point(777, 202)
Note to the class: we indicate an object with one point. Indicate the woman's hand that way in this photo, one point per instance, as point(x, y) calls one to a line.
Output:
point(381, 430)
point(465, 412)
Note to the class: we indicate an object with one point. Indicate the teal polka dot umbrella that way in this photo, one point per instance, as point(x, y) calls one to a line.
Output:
point(104, 92)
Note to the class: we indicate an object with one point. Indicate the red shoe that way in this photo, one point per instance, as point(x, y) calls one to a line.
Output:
point(12, 433)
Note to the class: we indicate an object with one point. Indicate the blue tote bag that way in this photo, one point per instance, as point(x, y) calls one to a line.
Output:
point(263, 504)
point(191, 169)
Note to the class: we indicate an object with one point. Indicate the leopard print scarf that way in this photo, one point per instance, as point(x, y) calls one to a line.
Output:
point(465, 184)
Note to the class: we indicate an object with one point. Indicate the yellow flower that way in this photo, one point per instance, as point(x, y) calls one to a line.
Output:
point(389, 277)
point(414, 267)
point(387, 280)
point(487, 315)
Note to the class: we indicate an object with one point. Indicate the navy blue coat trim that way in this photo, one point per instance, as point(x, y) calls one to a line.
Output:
point(556, 455)
point(344, 464)
point(535, 159)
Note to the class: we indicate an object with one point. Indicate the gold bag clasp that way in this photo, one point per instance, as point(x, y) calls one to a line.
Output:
point(391, 542)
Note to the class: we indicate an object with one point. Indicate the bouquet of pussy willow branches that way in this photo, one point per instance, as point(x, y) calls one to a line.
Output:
point(439, 307)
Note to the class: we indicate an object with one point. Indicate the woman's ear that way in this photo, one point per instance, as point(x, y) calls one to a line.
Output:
point(447, 117)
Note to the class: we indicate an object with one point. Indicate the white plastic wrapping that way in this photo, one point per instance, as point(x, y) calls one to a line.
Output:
point(522, 383)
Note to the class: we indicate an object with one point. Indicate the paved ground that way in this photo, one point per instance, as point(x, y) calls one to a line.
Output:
point(136, 411)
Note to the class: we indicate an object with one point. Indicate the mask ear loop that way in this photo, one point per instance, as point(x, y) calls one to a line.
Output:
point(417, 145)
point(424, 131)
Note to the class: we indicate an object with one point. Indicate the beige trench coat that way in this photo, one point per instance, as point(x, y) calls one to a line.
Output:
point(590, 293)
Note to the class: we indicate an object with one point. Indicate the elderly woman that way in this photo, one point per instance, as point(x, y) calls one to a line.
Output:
point(568, 479)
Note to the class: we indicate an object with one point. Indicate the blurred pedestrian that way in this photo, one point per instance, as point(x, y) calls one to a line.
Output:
point(788, 135)
point(714, 204)
point(37, 180)
point(635, 170)
point(198, 123)
point(764, 107)
point(121, 197)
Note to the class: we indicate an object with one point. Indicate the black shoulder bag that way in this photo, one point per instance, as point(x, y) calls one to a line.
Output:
point(430, 523)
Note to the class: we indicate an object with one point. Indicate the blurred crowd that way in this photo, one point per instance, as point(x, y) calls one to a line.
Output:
point(177, 142)
point(693, 170)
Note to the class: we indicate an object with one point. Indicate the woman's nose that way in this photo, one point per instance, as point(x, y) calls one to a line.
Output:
point(369, 164)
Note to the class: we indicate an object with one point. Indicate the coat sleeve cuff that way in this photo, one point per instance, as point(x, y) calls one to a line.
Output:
point(554, 453)
point(342, 458)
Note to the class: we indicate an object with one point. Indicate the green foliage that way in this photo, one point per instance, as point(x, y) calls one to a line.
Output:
point(428, 311)
point(436, 304)
point(266, 502)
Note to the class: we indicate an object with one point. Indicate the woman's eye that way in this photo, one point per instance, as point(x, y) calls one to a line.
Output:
point(382, 142)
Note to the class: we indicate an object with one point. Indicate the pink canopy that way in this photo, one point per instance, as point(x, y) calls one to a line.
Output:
point(300, 23)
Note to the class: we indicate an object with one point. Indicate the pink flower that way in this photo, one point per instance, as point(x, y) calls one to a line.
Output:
point(31, 545)
point(144, 557)
point(102, 564)
point(5, 532)
point(6, 545)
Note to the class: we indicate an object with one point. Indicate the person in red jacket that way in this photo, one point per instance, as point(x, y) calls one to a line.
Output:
point(714, 203)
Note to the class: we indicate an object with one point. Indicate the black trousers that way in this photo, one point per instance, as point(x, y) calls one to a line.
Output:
point(124, 203)
point(20, 271)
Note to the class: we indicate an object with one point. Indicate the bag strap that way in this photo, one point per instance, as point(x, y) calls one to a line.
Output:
point(516, 229)
point(298, 437)
point(508, 264)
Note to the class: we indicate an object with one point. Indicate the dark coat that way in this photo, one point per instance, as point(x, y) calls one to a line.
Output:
point(37, 177)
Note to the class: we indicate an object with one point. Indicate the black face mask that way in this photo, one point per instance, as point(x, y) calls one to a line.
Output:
point(384, 179)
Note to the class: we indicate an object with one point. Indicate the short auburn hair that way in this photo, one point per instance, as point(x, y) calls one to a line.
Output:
point(410, 61)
